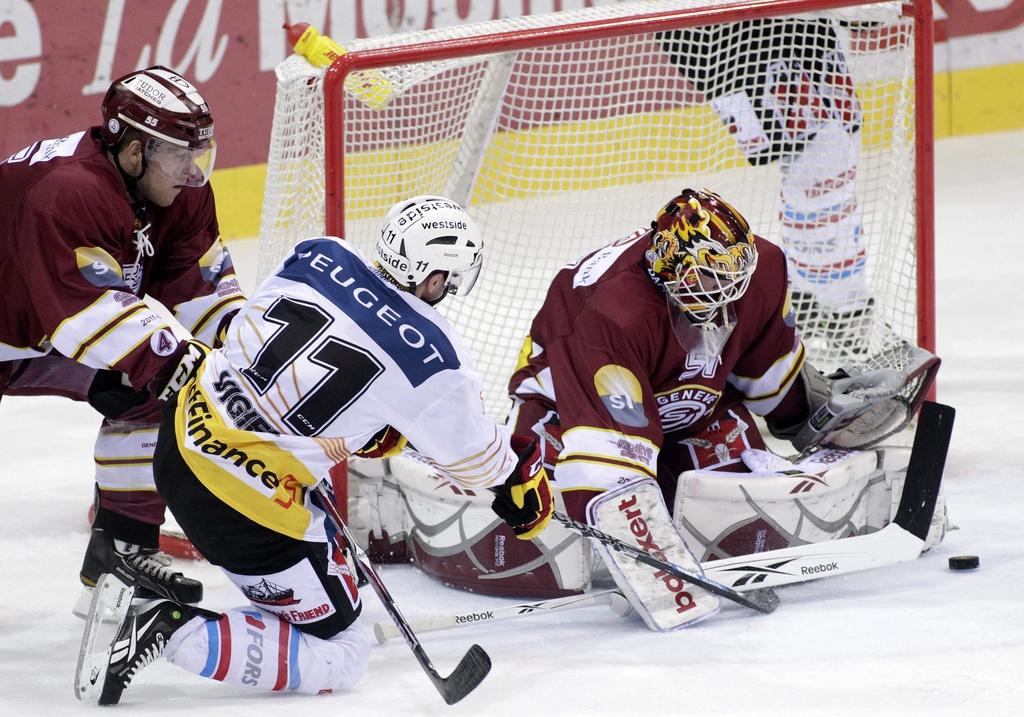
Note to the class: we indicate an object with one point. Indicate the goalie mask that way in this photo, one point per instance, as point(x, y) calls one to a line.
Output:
point(702, 256)
point(425, 234)
point(173, 115)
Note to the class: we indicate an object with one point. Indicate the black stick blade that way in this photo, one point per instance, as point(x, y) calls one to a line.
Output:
point(469, 673)
point(924, 472)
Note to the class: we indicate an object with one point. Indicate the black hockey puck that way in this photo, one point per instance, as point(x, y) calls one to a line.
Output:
point(964, 562)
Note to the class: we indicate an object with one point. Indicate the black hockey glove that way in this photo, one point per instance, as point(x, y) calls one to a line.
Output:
point(112, 396)
point(524, 499)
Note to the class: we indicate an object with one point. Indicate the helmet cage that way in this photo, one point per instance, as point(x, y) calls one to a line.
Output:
point(702, 254)
point(704, 287)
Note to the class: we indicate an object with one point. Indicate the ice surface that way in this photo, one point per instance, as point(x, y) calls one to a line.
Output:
point(912, 639)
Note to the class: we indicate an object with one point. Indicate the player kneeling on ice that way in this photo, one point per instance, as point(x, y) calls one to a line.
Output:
point(638, 380)
point(331, 356)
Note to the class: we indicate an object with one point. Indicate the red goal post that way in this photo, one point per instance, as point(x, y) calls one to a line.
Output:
point(562, 132)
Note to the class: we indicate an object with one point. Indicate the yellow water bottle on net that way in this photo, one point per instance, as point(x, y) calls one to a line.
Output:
point(370, 86)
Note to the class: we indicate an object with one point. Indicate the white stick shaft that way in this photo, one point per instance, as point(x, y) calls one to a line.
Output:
point(430, 623)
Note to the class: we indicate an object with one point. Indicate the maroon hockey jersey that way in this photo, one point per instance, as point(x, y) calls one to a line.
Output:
point(77, 259)
point(602, 353)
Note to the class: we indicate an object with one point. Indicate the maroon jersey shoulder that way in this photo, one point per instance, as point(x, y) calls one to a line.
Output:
point(606, 294)
point(74, 182)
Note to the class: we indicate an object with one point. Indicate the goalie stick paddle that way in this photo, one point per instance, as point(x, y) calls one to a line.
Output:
point(474, 665)
point(385, 631)
point(764, 601)
point(901, 540)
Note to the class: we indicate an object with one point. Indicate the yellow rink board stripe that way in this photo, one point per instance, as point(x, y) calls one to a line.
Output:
point(974, 101)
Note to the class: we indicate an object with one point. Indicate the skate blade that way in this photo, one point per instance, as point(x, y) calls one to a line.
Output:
point(110, 602)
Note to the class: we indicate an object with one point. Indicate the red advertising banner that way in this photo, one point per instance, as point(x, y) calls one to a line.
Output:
point(57, 57)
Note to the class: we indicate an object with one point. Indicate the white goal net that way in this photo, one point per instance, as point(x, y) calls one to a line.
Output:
point(561, 133)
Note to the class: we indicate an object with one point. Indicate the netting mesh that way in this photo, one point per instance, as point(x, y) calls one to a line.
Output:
point(560, 149)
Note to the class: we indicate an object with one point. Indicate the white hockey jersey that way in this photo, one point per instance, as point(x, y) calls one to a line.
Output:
point(317, 362)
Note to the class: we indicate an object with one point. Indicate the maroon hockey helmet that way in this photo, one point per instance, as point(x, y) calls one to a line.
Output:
point(161, 103)
point(702, 252)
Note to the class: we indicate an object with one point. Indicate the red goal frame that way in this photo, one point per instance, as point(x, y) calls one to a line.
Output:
point(920, 10)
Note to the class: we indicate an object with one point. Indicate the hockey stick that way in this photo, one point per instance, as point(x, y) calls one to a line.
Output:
point(385, 631)
point(901, 540)
point(763, 601)
point(474, 665)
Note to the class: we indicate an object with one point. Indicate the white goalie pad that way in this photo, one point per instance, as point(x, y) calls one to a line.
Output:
point(376, 511)
point(458, 539)
point(637, 513)
point(832, 494)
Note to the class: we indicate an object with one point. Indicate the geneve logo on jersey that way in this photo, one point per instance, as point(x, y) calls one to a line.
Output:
point(417, 345)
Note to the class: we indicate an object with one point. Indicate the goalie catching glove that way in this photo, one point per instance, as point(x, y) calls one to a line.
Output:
point(524, 500)
point(862, 406)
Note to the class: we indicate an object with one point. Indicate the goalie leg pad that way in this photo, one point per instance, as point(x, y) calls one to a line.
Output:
point(832, 494)
point(637, 513)
point(255, 648)
point(376, 511)
point(456, 538)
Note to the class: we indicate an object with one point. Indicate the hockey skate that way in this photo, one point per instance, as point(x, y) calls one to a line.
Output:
point(850, 331)
point(141, 635)
point(146, 568)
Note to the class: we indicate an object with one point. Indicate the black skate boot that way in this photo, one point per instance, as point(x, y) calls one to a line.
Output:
point(141, 639)
point(147, 568)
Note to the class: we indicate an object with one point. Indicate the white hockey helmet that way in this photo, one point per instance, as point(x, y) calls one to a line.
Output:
point(424, 234)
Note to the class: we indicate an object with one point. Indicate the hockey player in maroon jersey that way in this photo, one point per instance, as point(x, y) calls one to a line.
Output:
point(705, 336)
point(92, 224)
point(642, 370)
